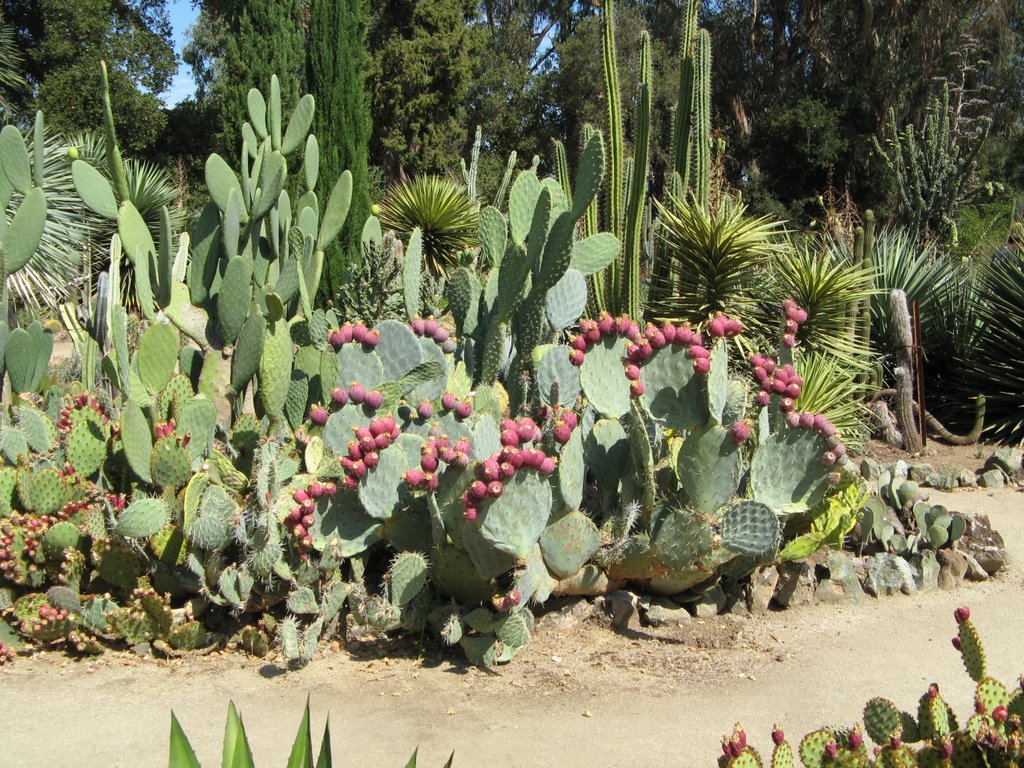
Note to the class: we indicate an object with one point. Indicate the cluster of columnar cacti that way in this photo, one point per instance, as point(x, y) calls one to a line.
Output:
point(992, 735)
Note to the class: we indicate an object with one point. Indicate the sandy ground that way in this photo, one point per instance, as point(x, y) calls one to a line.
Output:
point(587, 697)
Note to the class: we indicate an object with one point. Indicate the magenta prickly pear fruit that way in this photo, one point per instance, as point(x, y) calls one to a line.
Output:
point(831, 749)
point(570, 419)
point(788, 340)
point(449, 346)
point(510, 438)
point(698, 352)
point(449, 401)
point(684, 336)
point(525, 429)
point(790, 326)
point(839, 450)
point(372, 339)
point(318, 415)
point(622, 325)
point(359, 332)
point(800, 315)
point(806, 420)
point(441, 335)
point(793, 391)
point(562, 432)
point(425, 410)
point(733, 328)
point(786, 405)
point(429, 326)
point(547, 465)
point(308, 521)
point(760, 374)
point(495, 489)
point(371, 459)
point(417, 326)
point(632, 372)
point(374, 399)
point(762, 399)
point(716, 327)
point(339, 397)
point(334, 338)
point(636, 388)
point(778, 736)
point(779, 387)
point(739, 432)
point(605, 324)
point(578, 343)
point(294, 516)
point(356, 393)
point(576, 357)
point(477, 490)
point(828, 458)
point(489, 470)
point(463, 409)
point(668, 331)
point(470, 513)
point(346, 333)
point(962, 614)
point(506, 470)
point(428, 463)
point(300, 495)
point(702, 365)
point(592, 335)
point(820, 422)
point(946, 748)
point(414, 478)
point(377, 427)
point(856, 738)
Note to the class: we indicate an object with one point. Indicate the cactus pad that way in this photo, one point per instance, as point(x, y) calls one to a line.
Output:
point(211, 527)
point(679, 537)
point(359, 365)
point(170, 465)
point(603, 380)
point(990, 694)
point(882, 720)
point(568, 543)
point(142, 519)
point(382, 488)
point(971, 651)
point(38, 429)
point(566, 300)
point(86, 448)
point(673, 392)
point(48, 492)
point(709, 468)
point(137, 440)
point(572, 471)
point(58, 538)
point(555, 370)
point(406, 577)
point(455, 576)
point(786, 471)
point(752, 529)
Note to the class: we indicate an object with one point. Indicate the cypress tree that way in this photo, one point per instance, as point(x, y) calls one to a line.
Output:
point(336, 61)
point(266, 38)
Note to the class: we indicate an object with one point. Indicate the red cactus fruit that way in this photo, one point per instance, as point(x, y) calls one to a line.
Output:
point(576, 357)
point(429, 326)
point(463, 409)
point(371, 459)
point(956, 642)
point(786, 405)
point(345, 333)
point(831, 749)
point(417, 326)
point(318, 415)
point(449, 401)
point(359, 332)
point(562, 432)
point(806, 420)
point(632, 372)
point(605, 324)
point(716, 327)
point(778, 736)
point(374, 399)
point(962, 614)
point(739, 432)
point(762, 399)
point(477, 490)
point(356, 393)
point(828, 458)
point(441, 335)
point(788, 341)
point(684, 336)
point(470, 513)
point(856, 738)
point(547, 465)
point(495, 489)
point(428, 463)
point(425, 410)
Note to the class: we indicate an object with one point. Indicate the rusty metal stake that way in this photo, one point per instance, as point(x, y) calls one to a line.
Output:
point(919, 365)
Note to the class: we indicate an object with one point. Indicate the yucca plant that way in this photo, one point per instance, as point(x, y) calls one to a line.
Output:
point(713, 259)
point(818, 278)
point(997, 370)
point(238, 754)
point(831, 388)
point(444, 212)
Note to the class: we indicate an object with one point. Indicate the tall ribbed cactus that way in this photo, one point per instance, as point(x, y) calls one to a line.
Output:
point(702, 120)
point(682, 126)
point(628, 297)
point(616, 160)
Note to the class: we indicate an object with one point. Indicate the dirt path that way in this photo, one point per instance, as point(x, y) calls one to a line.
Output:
point(585, 698)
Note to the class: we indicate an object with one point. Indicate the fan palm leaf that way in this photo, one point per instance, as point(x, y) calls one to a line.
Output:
point(713, 258)
point(444, 213)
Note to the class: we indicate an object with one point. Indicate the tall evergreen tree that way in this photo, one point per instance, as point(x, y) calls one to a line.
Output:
point(266, 37)
point(420, 74)
point(335, 76)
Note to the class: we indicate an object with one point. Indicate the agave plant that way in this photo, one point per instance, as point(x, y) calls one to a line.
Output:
point(443, 211)
point(238, 754)
point(997, 370)
point(713, 260)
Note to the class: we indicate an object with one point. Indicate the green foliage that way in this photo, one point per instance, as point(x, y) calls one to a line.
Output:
point(441, 210)
point(420, 73)
point(335, 63)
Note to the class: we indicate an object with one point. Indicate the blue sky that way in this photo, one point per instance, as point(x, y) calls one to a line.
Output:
point(182, 15)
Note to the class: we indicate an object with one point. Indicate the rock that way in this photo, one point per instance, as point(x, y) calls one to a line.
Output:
point(796, 584)
point(1009, 461)
point(567, 617)
point(710, 603)
point(992, 478)
point(761, 590)
point(921, 472)
point(983, 544)
point(900, 468)
point(926, 570)
point(870, 469)
point(966, 478)
point(662, 612)
point(841, 583)
point(945, 479)
point(142, 649)
point(739, 608)
point(974, 570)
point(621, 607)
point(952, 568)
point(888, 574)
